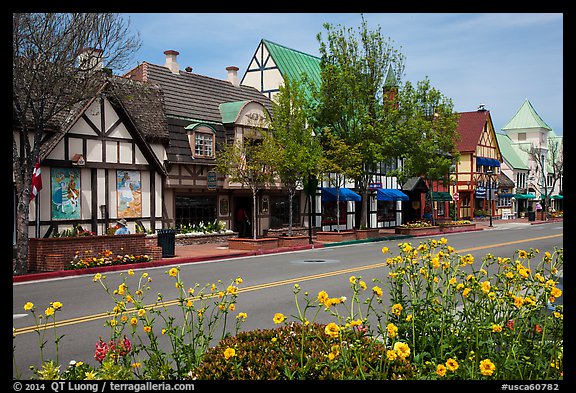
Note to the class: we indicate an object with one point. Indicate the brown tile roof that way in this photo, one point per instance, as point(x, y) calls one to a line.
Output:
point(470, 126)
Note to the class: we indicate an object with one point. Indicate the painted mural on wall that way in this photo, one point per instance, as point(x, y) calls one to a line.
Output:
point(65, 191)
point(129, 193)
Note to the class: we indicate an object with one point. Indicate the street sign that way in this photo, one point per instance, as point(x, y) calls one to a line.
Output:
point(456, 196)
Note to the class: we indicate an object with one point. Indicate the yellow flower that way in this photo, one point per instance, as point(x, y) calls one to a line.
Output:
point(452, 281)
point(452, 364)
point(130, 272)
point(232, 290)
point(392, 330)
point(238, 280)
point(384, 250)
point(362, 285)
point(28, 306)
point(391, 355)
point(242, 315)
point(147, 329)
point(397, 309)
point(377, 291)
point(487, 367)
point(352, 279)
point(486, 286)
point(441, 370)
point(322, 297)
point(518, 301)
point(278, 318)
point(97, 277)
point(402, 349)
point(332, 330)
point(49, 311)
point(232, 307)
point(133, 321)
point(466, 292)
point(522, 254)
point(229, 352)
point(556, 292)
point(496, 328)
point(173, 272)
point(331, 356)
point(141, 312)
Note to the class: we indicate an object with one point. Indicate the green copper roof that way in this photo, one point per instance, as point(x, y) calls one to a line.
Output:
point(391, 80)
point(512, 153)
point(526, 117)
point(292, 63)
point(229, 110)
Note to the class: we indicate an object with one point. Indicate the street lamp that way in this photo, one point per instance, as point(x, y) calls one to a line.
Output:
point(489, 173)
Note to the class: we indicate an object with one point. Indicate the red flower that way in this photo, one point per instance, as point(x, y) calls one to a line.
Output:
point(510, 324)
point(538, 329)
point(101, 350)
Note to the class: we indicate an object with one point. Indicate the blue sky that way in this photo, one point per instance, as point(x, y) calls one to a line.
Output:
point(495, 59)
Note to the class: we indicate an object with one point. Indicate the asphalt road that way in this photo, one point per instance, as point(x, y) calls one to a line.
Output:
point(266, 288)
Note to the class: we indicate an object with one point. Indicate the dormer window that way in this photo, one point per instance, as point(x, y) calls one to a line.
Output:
point(202, 138)
point(204, 144)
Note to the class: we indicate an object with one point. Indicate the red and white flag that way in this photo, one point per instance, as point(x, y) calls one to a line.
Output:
point(36, 181)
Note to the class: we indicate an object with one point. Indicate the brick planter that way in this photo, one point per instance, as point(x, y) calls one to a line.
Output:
point(334, 236)
point(204, 239)
point(265, 243)
point(457, 228)
point(371, 233)
point(292, 241)
point(52, 254)
point(433, 230)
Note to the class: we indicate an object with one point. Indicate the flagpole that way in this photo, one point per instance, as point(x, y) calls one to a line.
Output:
point(38, 215)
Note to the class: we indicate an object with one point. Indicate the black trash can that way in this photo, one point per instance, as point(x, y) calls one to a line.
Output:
point(167, 240)
point(531, 216)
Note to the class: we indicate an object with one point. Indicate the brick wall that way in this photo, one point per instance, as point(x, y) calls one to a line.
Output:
point(51, 254)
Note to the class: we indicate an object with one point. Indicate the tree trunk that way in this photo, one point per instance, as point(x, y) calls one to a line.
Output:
point(22, 214)
point(364, 210)
point(254, 192)
point(291, 193)
point(338, 209)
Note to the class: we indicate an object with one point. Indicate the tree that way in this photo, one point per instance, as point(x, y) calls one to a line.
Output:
point(549, 164)
point(351, 97)
point(58, 63)
point(298, 150)
point(250, 163)
point(427, 134)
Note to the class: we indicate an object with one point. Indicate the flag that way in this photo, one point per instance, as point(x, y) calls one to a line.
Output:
point(36, 181)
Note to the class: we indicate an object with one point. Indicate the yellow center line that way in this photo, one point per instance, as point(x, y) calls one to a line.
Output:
point(258, 287)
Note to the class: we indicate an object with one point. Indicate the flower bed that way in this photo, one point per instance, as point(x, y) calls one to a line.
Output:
point(260, 244)
point(192, 238)
point(53, 254)
point(418, 231)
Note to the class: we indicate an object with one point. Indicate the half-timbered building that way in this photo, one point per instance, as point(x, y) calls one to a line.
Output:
point(202, 113)
point(102, 161)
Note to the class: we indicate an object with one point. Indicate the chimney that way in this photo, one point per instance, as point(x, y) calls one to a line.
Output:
point(233, 75)
point(90, 59)
point(171, 63)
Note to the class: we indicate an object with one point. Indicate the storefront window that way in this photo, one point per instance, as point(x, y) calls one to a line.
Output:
point(329, 214)
point(279, 212)
point(386, 211)
point(192, 210)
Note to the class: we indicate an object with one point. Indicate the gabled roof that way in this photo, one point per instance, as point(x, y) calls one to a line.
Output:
point(470, 127)
point(197, 97)
point(292, 63)
point(525, 118)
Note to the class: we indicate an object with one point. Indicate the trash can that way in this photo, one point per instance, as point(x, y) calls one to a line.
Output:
point(531, 216)
point(167, 240)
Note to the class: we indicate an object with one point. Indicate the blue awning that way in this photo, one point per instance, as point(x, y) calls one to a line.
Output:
point(484, 161)
point(390, 194)
point(345, 194)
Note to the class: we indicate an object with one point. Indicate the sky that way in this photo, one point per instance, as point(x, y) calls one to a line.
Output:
point(495, 59)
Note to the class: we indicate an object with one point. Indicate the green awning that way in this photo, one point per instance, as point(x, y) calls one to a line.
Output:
point(524, 196)
point(557, 196)
point(441, 196)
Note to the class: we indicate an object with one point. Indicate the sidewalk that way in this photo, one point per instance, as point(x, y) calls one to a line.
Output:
point(215, 251)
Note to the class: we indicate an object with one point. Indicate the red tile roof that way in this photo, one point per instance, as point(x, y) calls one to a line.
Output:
point(470, 126)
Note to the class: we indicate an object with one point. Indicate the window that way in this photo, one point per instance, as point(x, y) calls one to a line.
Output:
point(192, 210)
point(203, 144)
point(521, 136)
point(280, 212)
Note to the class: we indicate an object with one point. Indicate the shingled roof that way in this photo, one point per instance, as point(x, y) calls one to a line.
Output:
point(196, 97)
